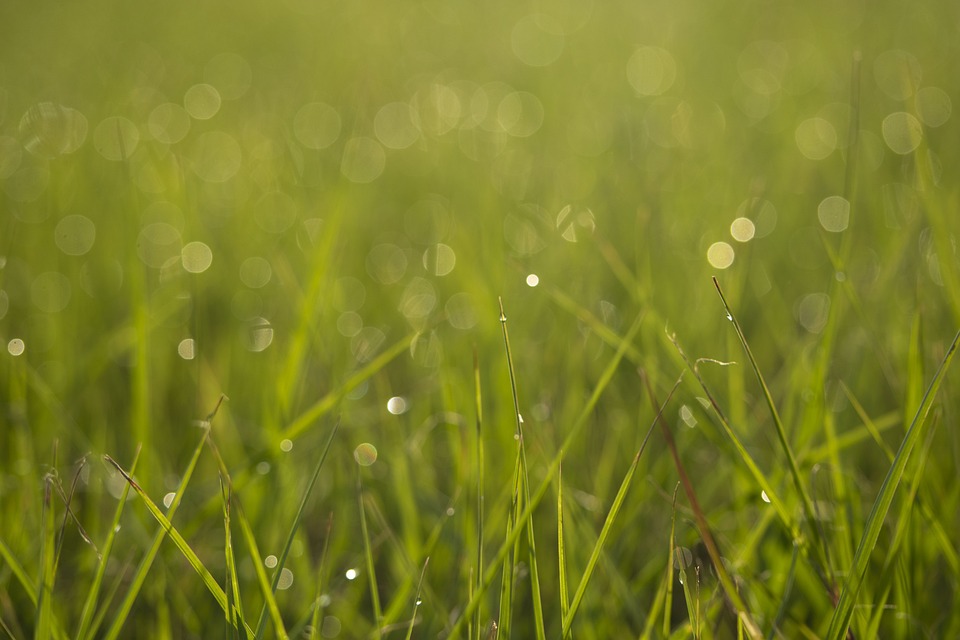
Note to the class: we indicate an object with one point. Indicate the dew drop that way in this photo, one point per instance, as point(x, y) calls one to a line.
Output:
point(168, 499)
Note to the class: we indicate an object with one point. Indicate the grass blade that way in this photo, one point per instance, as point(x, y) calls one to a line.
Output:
point(281, 562)
point(48, 564)
point(554, 466)
point(90, 604)
point(525, 480)
point(141, 575)
point(368, 558)
point(235, 617)
point(177, 538)
point(668, 604)
point(705, 533)
point(609, 521)
point(561, 555)
point(269, 601)
point(478, 398)
point(416, 603)
point(781, 435)
point(842, 614)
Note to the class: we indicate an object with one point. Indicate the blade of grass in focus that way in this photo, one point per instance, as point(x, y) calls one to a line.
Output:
point(90, 604)
point(120, 617)
point(552, 468)
point(842, 614)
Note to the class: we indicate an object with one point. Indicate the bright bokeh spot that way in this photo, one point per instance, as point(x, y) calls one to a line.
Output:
point(75, 235)
point(813, 311)
point(15, 347)
point(743, 229)
point(439, 259)
point(259, 334)
point(397, 405)
point(720, 255)
point(286, 445)
point(230, 74)
point(186, 349)
point(351, 574)
point(196, 257)
point(834, 213)
point(202, 101)
point(902, 132)
point(286, 579)
point(363, 160)
point(533, 280)
point(365, 454)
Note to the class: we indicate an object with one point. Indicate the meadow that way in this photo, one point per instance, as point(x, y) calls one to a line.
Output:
point(479, 320)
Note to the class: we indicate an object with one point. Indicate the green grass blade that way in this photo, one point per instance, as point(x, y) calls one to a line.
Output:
point(478, 399)
point(120, 617)
point(234, 606)
point(321, 578)
point(48, 565)
point(371, 565)
point(668, 602)
point(281, 562)
point(706, 534)
point(844, 611)
point(537, 495)
point(90, 604)
point(269, 601)
point(177, 538)
point(525, 480)
point(417, 602)
point(781, 432)
point(561, 554)
point(609, 521)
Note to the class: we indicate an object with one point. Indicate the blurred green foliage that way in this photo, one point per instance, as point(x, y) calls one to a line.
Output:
point(258, 199)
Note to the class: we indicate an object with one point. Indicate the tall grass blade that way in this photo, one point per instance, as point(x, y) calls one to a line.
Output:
point(551, 469)
point(234, 605)
point(177, 538)
point(120, 617)
point(294, 526)
point(798, 483)
point(269, 600)
point(668, 603)
point(321, 579)
point(610, 520)
point(90, 604)
point(478, 399)
point(368, 559)
point(48, 565)
point(418, 601)
point(525, 481)
point(561, 553)
point(706, 534)
point(840, 621)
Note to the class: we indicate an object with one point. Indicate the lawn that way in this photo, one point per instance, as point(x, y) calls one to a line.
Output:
point(479, 320)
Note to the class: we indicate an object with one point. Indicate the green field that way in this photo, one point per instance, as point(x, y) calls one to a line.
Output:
point(255, 375)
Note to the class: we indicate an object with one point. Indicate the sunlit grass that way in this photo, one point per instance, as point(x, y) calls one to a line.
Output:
point(328, 211)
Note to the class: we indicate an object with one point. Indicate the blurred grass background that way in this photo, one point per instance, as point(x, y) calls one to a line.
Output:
point(260, 199)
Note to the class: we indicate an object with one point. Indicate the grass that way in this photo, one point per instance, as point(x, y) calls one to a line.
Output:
point(328, 212)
